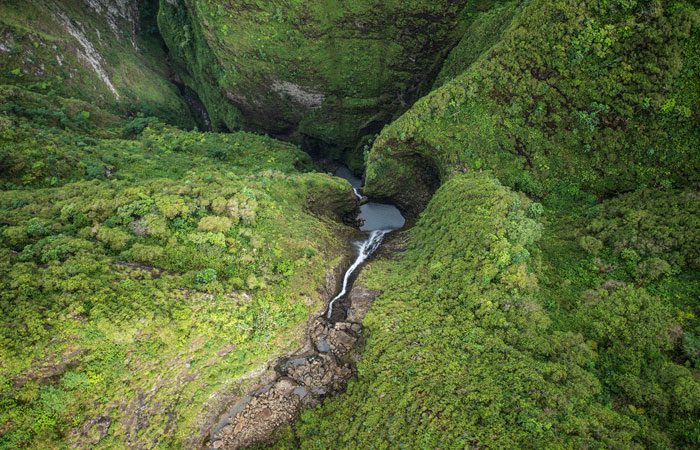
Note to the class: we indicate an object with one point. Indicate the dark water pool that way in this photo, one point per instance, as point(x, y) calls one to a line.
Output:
point(376, 216)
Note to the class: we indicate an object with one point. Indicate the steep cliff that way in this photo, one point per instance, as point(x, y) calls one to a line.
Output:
point(329, 72)
point(595, 97)
point(105, 52)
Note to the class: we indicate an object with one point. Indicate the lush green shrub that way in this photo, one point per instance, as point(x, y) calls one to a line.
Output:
point(215, 224)
point(205, 276)
point(115, 238)
point(535, 210)
point(136, 126)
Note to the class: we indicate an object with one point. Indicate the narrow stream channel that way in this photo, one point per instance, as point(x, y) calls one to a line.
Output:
point(321, 367)
point(378, 220)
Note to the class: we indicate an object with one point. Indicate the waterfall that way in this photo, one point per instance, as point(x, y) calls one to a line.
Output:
point(367, 248)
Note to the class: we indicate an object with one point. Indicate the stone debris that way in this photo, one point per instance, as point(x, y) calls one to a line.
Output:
point(323, 367)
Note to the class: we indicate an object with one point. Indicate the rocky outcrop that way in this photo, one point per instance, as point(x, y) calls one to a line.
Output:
point(89, 53)
point(118, 13)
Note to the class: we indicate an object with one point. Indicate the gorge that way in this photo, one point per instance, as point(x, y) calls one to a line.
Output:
point(190, 259)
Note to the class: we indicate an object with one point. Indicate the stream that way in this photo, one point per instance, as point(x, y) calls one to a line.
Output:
point(325, 362)
point(378, 220)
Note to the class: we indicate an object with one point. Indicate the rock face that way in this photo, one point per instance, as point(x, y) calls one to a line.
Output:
point(321, 368)
point(118, 13)
point(327, 71)
point(107, 53)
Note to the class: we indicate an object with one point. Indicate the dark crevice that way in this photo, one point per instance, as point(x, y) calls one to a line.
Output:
point(197, 108)
point(148, 29)
point(372, 128)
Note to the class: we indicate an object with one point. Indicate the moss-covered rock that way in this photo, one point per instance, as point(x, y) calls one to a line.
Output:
point(329, 71)
point(104, 52)
point(598, 97)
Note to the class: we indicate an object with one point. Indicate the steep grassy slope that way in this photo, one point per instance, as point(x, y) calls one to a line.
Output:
point(104, 52)
point(160, 267)
point(601, 97)
point(327, 70)
point(497, 330)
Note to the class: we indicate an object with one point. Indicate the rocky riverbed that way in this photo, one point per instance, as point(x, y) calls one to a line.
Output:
point(302, 379)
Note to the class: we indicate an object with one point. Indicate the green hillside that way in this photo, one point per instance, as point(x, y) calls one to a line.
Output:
point(545, 293)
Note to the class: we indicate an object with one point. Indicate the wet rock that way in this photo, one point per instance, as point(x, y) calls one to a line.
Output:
point(320, 368)
point(261, 416)
point(322, 344)
point(300, 392)
point(265, 413)
point(342, 326)
point(361, 300)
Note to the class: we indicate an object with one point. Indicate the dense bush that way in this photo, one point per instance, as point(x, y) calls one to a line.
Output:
point(603, 98)
point(143, 257)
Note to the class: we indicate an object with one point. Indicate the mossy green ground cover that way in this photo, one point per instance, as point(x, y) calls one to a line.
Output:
point(146, 269)
point(39, 52)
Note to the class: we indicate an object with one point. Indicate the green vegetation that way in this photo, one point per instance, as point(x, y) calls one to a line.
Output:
point(459, 350)
point(104, 53)
point(546, 297)
point(484, 31)
point(142, 260)
point(48, 141)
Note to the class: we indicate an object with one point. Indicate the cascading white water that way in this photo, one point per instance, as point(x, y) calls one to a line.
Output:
point(377, 219)
point(367, 248)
